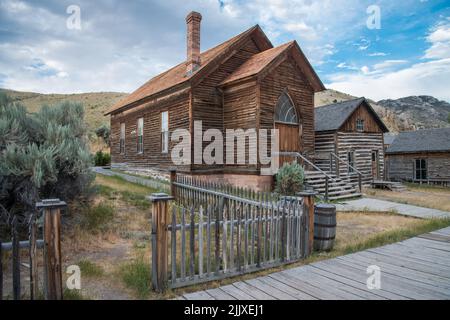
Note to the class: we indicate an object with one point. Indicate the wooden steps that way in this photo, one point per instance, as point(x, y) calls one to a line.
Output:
point(338, 188)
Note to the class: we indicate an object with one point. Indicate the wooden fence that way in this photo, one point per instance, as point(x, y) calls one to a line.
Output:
point(209, 234)
point(49, 210)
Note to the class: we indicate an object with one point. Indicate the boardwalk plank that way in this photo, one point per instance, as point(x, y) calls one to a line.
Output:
point(236, 293)
point(274, 292)
point(219, 294)
point(199, 295)
point(253, 291)
point(295, 293)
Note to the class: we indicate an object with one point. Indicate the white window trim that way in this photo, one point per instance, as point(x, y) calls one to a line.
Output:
point(140, 146)
point(122, 138)
point(165, 133)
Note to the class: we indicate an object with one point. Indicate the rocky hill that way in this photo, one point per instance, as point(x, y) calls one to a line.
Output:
point(421, 112)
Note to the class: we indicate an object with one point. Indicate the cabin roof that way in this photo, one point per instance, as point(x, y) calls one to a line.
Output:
point(331, 117)
point(389, 137)
point(426, 140)
point(177, 75)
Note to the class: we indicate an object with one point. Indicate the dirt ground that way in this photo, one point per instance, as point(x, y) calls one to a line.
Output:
point(424, 196)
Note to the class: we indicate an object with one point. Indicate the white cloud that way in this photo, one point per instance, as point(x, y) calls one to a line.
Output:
point(440, 42)
point(377, 54)
point(428, 78)
point(384, 80)
point(387, 64)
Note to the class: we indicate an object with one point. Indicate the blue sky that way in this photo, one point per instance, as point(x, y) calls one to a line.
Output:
point(122, 44)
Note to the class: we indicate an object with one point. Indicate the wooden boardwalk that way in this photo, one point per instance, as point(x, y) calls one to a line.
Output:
point(417, 268)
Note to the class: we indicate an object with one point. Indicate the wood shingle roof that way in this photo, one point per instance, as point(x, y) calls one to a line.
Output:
point(426, 140)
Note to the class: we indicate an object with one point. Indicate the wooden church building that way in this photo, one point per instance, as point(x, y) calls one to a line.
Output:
point(242, 83)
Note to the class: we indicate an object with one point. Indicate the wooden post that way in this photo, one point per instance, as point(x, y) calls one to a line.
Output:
point(309, 206)
point(53, 287)
point(1, 271)
point(360, 182)
point(160, 235)
point(173, 177)
point(15, 259)
point(326, 188)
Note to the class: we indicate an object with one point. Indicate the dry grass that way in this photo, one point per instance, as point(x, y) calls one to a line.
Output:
point(419, 195)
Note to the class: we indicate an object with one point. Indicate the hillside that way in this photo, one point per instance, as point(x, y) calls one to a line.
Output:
point(402, 114)
point(423, 112)
point(95, 103)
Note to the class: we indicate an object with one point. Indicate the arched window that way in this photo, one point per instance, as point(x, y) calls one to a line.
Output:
point(285, 110)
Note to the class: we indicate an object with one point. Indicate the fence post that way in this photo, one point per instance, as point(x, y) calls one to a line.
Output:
point(360, 182)
point(326, 188)
point(53, 287)
point(160, 235)
point(309, 206)
point(173, 177)
point(15, 259)
point(1, 271)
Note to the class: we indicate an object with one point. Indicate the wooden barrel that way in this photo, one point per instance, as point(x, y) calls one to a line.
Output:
point(324, 226)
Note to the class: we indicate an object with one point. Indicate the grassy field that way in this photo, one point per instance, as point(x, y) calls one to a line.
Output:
point(420, 195)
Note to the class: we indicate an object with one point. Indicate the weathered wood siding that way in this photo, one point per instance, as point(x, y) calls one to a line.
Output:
point(400, 167)
point(325, 143)
point(209, 101)
point(239, 112)
point(362, 144)
point(287, 76)
point(362, 112)
point(152, 157)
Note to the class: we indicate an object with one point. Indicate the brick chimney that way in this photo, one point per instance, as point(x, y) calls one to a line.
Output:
point(193, 41)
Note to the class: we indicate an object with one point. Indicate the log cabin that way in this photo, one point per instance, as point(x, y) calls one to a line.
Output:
point(242, 83)
point(421, 156)
point(349, 143)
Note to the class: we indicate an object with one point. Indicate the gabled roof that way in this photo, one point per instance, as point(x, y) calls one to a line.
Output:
point(427, 140)
point(177, 75)
point(331, 117)
point(257, 63)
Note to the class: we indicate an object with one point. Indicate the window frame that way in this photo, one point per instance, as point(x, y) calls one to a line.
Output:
point(140, 136)
point(164, 132)
point(360, 125)
point(351, 161)
point(422, 169)
point(285, 107)
point(122, 138)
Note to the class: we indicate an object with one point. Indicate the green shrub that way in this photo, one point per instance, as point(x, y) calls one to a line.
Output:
point(102, 159)
point(289, 179)
point(98, 217)
point(136, 275)
point(42, 155)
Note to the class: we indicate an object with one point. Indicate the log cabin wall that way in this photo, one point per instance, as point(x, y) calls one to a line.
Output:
point(400, 167)
point(362, 144)
point(288, 76)
point(325, 143)
point(208, 100)
point(152, 157)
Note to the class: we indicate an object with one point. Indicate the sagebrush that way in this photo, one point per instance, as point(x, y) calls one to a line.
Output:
point(42, 155)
